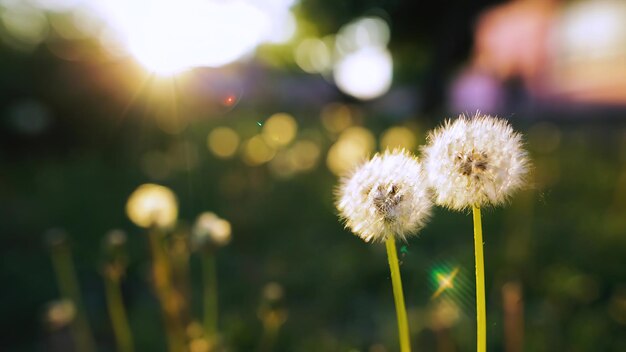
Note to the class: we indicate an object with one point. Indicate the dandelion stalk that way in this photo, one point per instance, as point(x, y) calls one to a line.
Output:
point(481, 311)
point(209, 233)
point(119, 319)
point(162, 283)
point(210, 294)
point(384, 199)
point(267, 338)
point(69, 288)
point(473, 162)
point(272, 315)
point(272, 321)
point(396, 281)
point(155, 207)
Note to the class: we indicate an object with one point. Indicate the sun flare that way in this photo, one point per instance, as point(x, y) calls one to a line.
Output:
point(171, 37)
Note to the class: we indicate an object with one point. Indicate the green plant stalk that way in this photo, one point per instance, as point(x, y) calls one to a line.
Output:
point(162, 283)
point(210, 294)
point(396, 281)
point(270, 332)
point(117, 313)
point(481, 311)
point(69, 289)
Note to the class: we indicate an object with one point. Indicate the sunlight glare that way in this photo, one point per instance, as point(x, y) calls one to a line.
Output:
point(170, 37)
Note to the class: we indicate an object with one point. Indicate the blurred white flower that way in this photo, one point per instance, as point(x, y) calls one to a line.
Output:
point(386, 196)
point(60, 313)
point(210, 231)
point(115, 238)
point(152, 205)
point(474, 161)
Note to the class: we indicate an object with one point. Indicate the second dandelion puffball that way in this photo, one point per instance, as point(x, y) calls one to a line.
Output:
point(474, 161)
point(210, 231)
point(386, 196)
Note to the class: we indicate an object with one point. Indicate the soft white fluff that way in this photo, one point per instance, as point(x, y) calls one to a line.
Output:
point(210, 231)
point(474, 161)
point(386, 196)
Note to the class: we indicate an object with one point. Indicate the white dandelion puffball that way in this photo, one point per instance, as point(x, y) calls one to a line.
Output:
point(386, 196)
point(210, 231)
point(474, 162)
point(152, 205)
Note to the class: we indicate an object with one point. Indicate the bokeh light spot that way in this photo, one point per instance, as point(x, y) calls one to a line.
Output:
point(223, 142)
point(279, 130)
point(398, 137)
point(353, 146)
point(25, 25)
point(256, 151)
point(306, 155)
point(337, 117)
point(365, 74)
point(313, 56)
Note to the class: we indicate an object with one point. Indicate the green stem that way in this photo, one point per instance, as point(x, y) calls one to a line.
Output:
point(117, 313)
point(269, 336)
point(69, 288)
point(162, 282)
point(210, 294)
point(481, 311)
point(396, 281)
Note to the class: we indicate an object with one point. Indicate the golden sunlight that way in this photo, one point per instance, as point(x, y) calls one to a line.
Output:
point(170, 37)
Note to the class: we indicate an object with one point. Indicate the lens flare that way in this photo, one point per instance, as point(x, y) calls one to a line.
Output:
point(446, 281)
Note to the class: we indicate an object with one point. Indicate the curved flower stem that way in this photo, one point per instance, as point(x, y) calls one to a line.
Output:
point(396, 281)
point(481, 311)
point(210, 294)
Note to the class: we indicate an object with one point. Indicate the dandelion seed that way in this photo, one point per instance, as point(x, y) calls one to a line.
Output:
point(474, 161)
point(387, 196)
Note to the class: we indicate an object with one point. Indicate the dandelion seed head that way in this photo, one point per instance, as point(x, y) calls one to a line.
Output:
point(210, 231)
point(474, 161)
point(152, 205)
point(386, 196)
point(60, 313)
point(115, 238)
